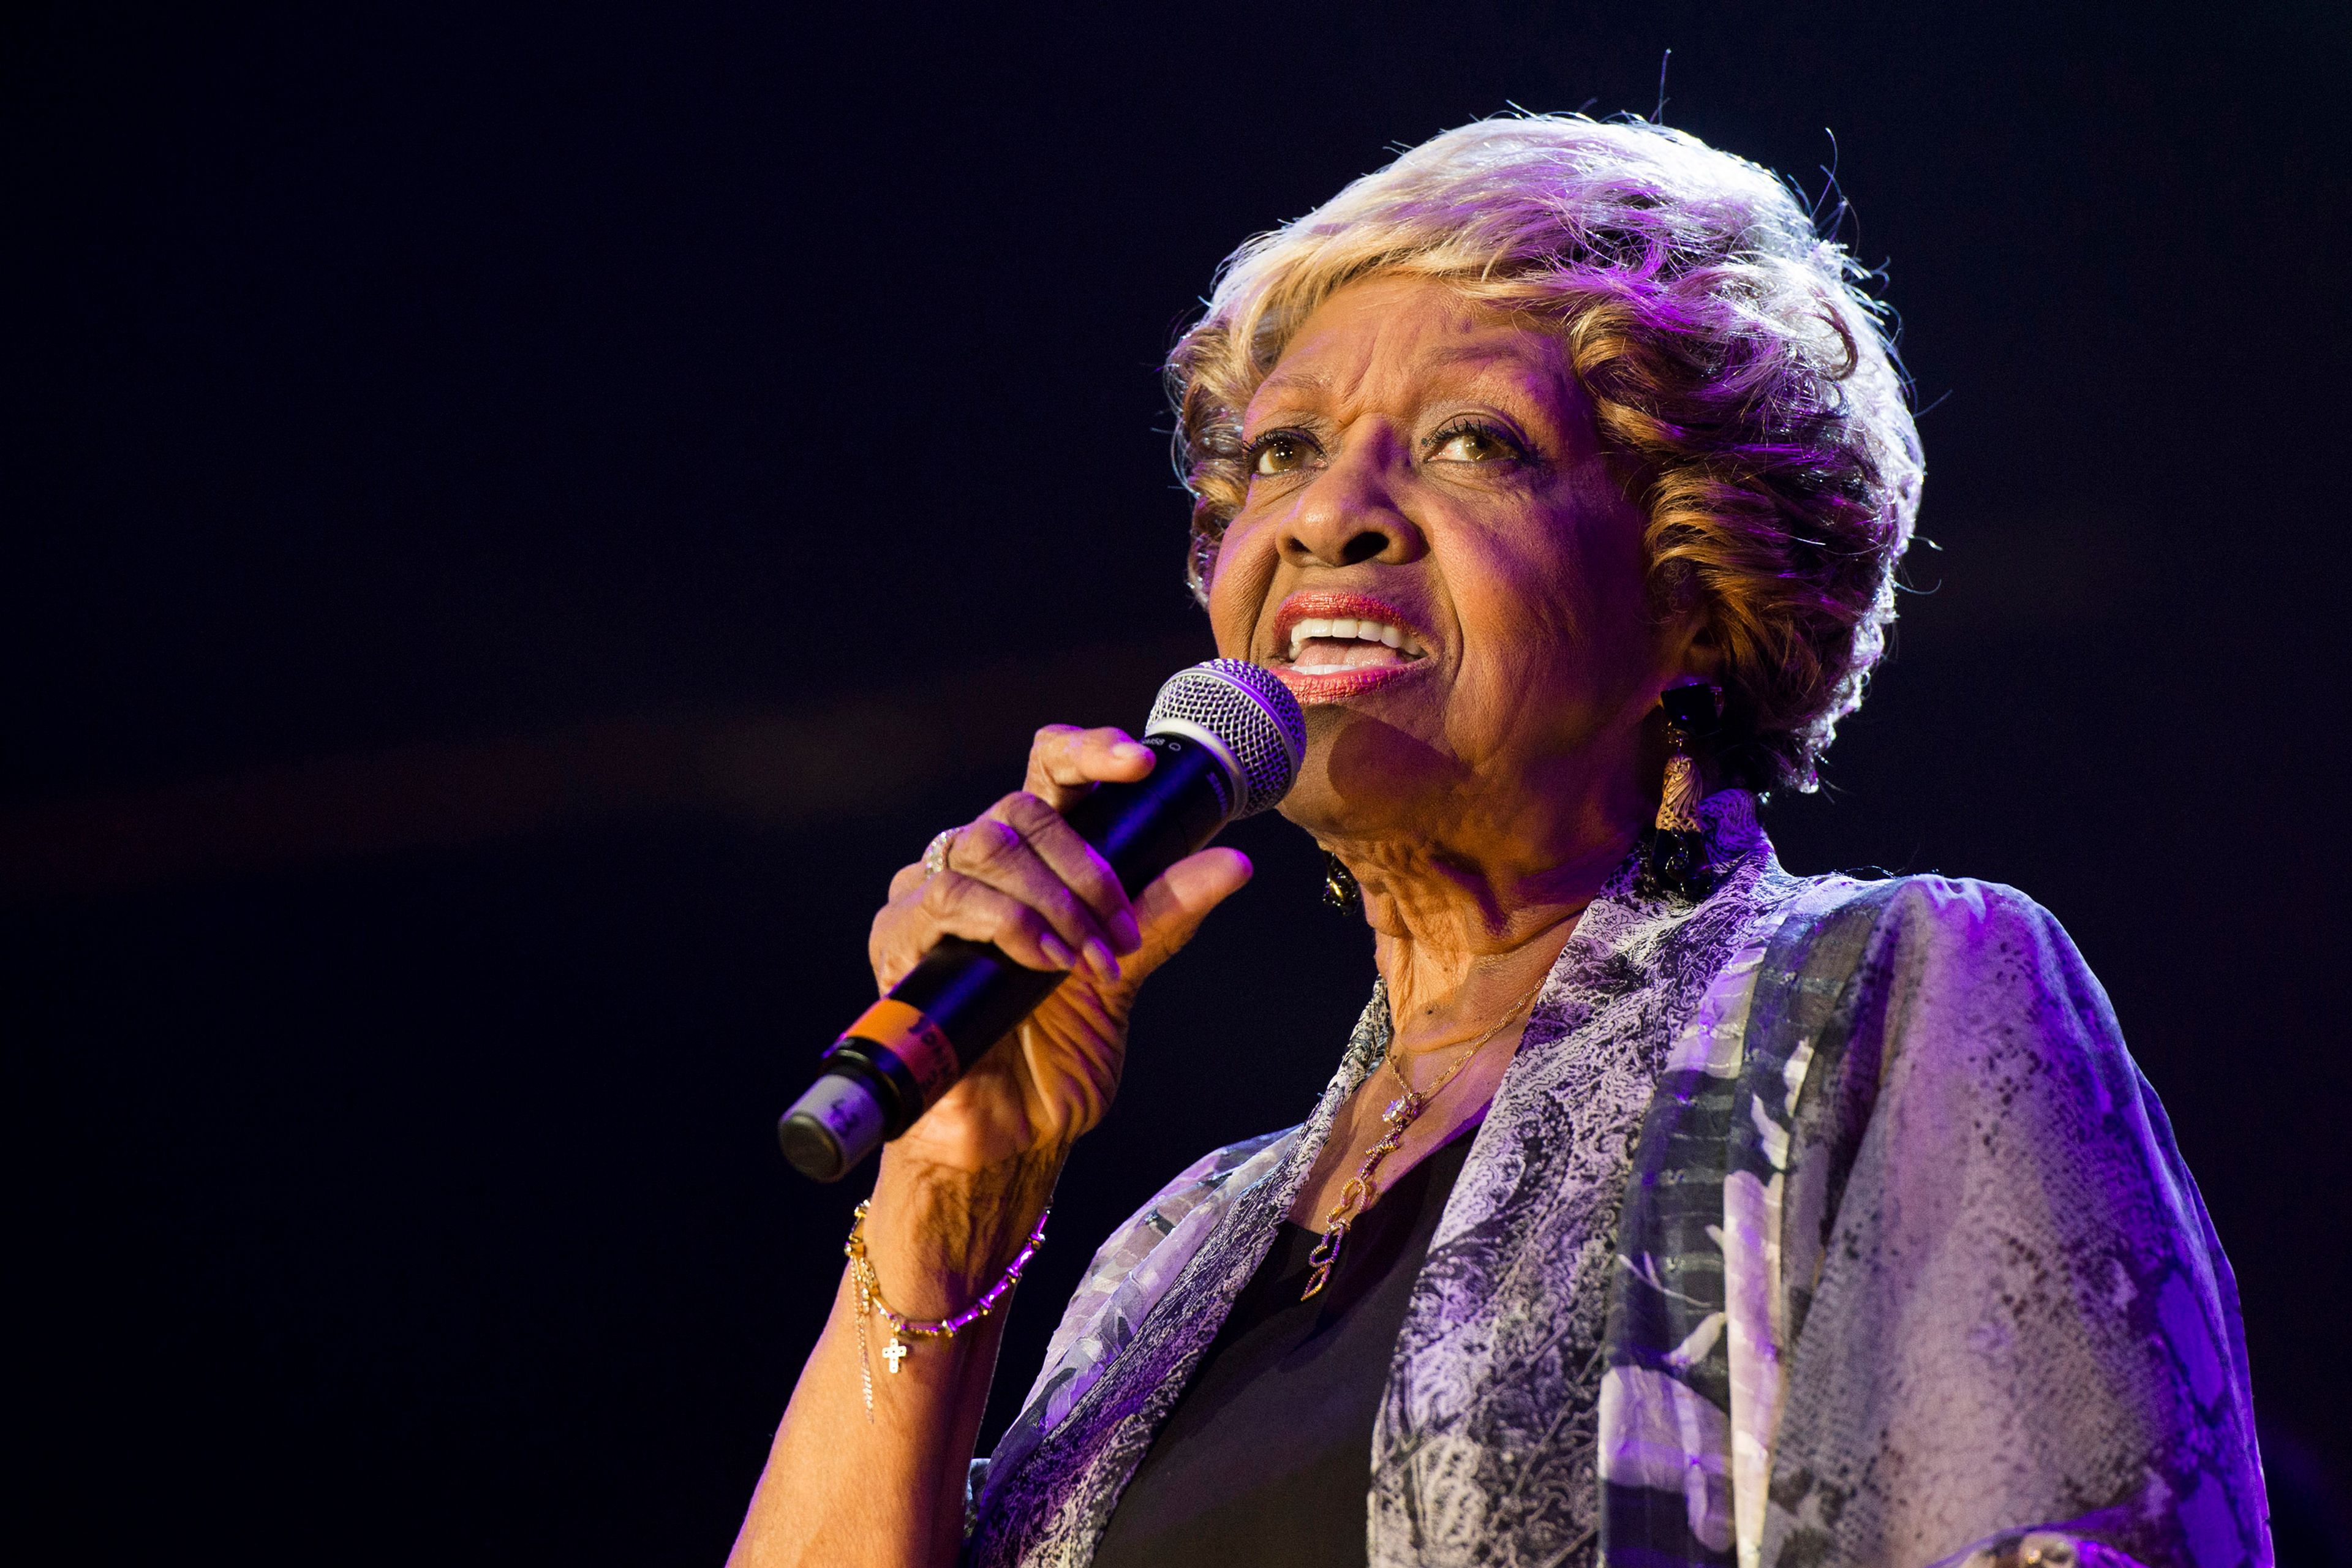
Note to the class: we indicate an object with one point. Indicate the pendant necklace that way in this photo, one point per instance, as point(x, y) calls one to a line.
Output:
point(1403, 1112)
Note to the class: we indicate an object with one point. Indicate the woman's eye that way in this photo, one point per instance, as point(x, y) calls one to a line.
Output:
point(1279, 454)
point(1473, 444)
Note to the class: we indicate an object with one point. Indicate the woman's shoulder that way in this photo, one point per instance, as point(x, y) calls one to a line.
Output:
point(1141, 1255)
point(1952, 935)
point(1203, 1181)
point(1927, 904)
point(1216, 1167)
point(1128, 1274)
point(1934, 986)
point(1953, 1019)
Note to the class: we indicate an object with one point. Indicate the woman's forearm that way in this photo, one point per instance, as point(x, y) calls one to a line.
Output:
point(843, 1487)
point(887, 1490)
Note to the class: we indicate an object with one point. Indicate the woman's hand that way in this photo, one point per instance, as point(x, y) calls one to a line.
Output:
point(1022, 878)
point(870, 1465)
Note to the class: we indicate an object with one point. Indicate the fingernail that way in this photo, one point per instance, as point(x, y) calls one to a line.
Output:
point(1057, 951)
point(1100, 957)
point(1125, 932)
point(1129, 751)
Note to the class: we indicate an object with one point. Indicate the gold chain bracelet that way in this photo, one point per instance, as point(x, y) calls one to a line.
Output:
point(870, 1303)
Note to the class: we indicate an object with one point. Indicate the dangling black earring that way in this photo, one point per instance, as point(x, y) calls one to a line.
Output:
point(1674, 860)
point(1340, 890)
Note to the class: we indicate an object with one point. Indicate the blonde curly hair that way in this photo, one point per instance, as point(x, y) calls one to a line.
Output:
point(1741, 378)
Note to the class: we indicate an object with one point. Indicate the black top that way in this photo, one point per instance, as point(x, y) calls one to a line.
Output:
point(1266, 1458)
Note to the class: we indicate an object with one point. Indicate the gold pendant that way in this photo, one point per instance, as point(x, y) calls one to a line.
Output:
point(894, 1353)
point(1402, 1113)
point(1326, 1254)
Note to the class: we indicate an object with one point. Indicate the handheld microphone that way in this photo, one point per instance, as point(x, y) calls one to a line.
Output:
point(1229, 738)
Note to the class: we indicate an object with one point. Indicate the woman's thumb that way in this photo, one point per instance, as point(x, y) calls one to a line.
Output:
point(1173, 907)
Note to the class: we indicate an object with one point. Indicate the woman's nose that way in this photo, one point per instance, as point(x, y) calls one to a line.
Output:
point(1350, 515)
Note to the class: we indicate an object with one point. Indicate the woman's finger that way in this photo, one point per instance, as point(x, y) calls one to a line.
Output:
point(993, 851)
point(1065, 761)
point(1077, 863)
point(953, 904)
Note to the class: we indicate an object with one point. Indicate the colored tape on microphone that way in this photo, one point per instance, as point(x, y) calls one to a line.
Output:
point(911, 1036)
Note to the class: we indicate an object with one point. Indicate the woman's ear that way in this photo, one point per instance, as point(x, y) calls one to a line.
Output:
point(1201, 553)
point(1690, 646)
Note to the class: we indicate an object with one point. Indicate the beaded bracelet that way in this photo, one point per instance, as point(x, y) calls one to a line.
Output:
point(870, 1302)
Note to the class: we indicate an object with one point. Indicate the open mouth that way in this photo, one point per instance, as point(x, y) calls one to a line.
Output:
point(1331, 645)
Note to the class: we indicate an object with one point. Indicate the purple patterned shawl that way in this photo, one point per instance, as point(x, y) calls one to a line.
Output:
point(1821, 1223)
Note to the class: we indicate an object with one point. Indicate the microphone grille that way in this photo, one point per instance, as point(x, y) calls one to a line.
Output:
point(1245, 707)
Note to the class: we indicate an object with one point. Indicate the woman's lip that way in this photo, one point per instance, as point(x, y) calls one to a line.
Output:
point(1339, 685)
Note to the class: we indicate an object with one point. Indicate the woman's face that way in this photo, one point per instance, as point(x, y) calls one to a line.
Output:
point(1435, 559)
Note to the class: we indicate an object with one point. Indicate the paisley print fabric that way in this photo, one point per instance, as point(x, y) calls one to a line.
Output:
point(1821, 1222)
point(1486, 1449)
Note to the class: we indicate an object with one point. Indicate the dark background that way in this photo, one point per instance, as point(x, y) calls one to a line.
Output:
point(519, 519)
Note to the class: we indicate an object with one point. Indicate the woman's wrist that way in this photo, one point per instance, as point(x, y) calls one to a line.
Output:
point(938, 1237)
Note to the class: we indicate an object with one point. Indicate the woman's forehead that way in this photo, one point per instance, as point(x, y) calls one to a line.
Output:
point(1385, 337)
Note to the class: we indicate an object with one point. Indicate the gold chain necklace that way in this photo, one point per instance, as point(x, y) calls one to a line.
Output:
point(1403, 1112)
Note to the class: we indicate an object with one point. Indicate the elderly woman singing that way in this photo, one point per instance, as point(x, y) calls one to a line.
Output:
point(1664, 1208)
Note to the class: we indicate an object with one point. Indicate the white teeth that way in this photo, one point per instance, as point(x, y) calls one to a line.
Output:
point(1346, 629)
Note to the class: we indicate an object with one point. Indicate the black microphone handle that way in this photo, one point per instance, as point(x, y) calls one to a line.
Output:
point(911, 1046)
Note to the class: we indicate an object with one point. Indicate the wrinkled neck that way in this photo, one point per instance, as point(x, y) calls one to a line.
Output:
point(1458, 944)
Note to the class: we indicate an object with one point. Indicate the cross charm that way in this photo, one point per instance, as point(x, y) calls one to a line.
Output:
point(894, 1353)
